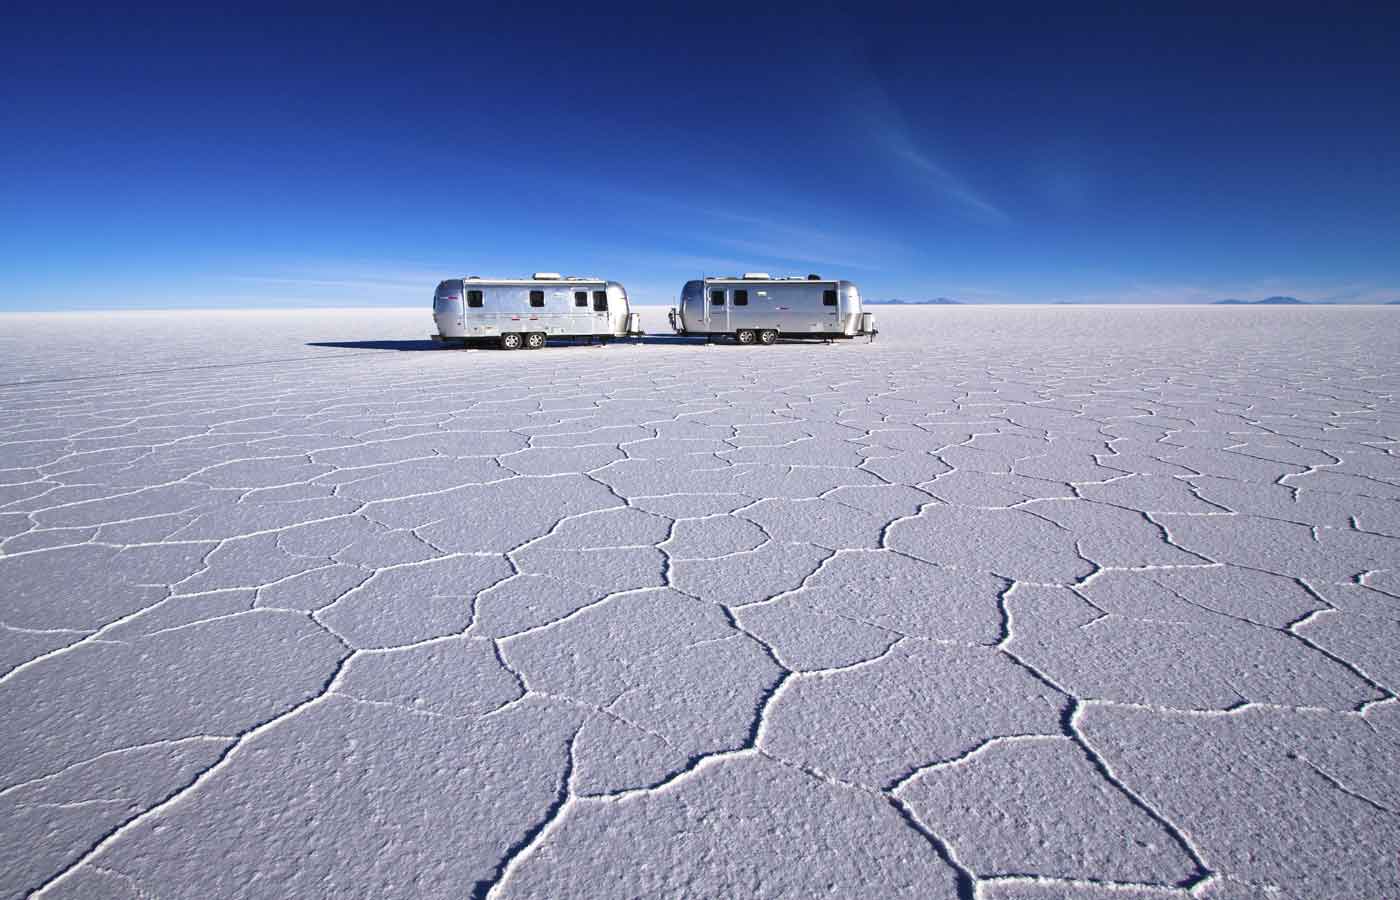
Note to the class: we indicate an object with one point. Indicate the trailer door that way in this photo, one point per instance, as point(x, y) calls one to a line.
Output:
point(580, 312)
point(831, 306)
point(717, 311)
point(601, 320)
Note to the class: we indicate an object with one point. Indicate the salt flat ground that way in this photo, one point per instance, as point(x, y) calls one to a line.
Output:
point(1013, 603)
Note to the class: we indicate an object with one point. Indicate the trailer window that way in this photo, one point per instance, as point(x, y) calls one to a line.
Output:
point(537, 298)
point(828, 298)
point(716, 298)
point(474, 299)
point(580, 298)
point(741, 298)
point(600, 301)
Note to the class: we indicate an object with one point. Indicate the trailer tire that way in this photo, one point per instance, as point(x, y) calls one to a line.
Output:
point(510, 340)
point(768, 337)
point(534, 340)
point(745, 336)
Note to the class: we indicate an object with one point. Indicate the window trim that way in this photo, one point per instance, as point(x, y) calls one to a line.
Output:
point(741, 297)
point(534, 295)
point(717, 293)
point(475, 299)
point(600, 301)
point(830, 298)
point(581, 299)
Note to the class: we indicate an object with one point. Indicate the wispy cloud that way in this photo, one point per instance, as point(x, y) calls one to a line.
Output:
point(692, 264)
point(771, 240)
point(352, 283)
point(877, 114)
point(900, 145)
point(329, 283)
point(728, 237)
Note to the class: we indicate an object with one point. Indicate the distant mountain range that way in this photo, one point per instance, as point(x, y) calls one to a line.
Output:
point(1267, 301)
point(1293, 301)
point(936, 301)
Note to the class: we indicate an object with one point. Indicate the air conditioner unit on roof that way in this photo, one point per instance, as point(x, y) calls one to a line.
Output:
point(546, 276)
point(756, 275)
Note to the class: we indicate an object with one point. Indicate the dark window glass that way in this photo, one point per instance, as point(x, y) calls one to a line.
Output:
point(537, 298)
point(828, 298)
point(716, 298)
point(741, 298)
point(474, 299)
point(580, 298)
point(600, 301)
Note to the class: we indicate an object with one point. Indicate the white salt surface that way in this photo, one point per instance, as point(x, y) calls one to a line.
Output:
point(1013, 603)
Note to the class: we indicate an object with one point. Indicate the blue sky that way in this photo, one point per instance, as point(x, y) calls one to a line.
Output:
point(194, 158)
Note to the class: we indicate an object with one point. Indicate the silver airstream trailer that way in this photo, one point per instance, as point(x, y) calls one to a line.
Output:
point(758, 308)
point(526, 312)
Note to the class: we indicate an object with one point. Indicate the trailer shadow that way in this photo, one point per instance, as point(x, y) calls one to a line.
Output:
point(377, 345)
point(656, 339)
point(672, 339)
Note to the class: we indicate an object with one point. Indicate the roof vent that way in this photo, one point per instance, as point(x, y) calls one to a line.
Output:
point(546, 276)
point(473, 277)
point(756, 276)
point(814, 277)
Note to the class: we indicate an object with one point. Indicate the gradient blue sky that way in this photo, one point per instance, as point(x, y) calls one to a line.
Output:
point(196, 158)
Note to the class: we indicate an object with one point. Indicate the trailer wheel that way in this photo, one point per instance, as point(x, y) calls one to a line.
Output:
point(744, 336)
point(510, 340)
point(768, 337)
point(534, 340)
